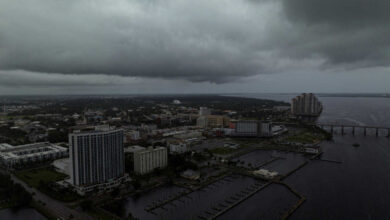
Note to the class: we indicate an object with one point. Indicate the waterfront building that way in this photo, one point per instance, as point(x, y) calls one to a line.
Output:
point(306, 104)
point(28, 153)
point(252, 128)
point(266, 174)
point(190, 174)
point(96, 157)
point(148, 159)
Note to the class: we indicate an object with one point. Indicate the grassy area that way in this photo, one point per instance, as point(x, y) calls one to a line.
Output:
point(6, 205)
point(44, 211)
point(43, 179)
point(305, 137)
point(98, 213)
point(223, 150)
point(281, 148)
point(37, 176)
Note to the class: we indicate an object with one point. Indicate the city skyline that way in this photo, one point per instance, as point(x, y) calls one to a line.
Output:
point(202, 109)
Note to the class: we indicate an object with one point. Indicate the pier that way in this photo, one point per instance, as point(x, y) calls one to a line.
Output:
point(241, 197)
point(301, 200)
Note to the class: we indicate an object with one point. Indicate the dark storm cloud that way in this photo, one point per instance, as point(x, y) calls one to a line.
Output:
point(18, 78)
point(342, 13)
point(197, 41)
point(348, 33)
point(204, 40)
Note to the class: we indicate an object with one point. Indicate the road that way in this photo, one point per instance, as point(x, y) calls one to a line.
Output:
point(57, 208)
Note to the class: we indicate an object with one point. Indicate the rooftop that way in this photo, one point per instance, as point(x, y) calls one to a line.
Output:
point(29, 150)
point(133, 149)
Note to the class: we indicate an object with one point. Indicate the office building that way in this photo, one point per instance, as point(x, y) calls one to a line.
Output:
point(148, 159)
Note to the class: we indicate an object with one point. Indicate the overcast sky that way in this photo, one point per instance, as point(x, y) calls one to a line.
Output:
point(194, 46)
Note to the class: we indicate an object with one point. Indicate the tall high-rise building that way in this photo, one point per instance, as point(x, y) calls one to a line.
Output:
point(306, 104)
point(96, 156)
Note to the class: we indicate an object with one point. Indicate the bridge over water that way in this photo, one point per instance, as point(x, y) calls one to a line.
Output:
point(354, 128)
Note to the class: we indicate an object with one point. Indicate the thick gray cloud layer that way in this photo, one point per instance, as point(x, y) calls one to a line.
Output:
point(348, 33)
point(198, 40)
point(204, 40)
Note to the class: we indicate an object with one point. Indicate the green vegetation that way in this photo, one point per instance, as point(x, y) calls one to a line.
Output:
point(305, 138)
point(308, 136)
point(98, 213)
point(57, 136)
point(5, 205)
point(86, 204)
point(179, 163)
point(13, 136)
point(281, 147)
point(327, 135)
point(116, 207)
point(12, 195)
point(41, 209)
point(44, 180)
point(36, 177)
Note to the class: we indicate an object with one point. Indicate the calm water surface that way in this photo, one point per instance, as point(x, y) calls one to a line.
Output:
point(358, 187)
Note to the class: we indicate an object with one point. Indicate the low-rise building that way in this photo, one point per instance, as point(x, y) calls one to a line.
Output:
point(252, 128)
point(190, 174)
point(189, 134)
point(148, 159)
point(132, 149)
point(265, 173)
point(14, 155)
point(132, 136)
point(62, 165)
point(212, 121)
point(178, 148)
point(204, 111)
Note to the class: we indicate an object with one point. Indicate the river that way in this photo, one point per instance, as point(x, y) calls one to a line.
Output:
point(357, 187)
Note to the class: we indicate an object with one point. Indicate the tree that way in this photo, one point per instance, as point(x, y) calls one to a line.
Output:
point(115, 192)
point(131, 217)
point(136, 184)
point(57, 136)
point(86, 204)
